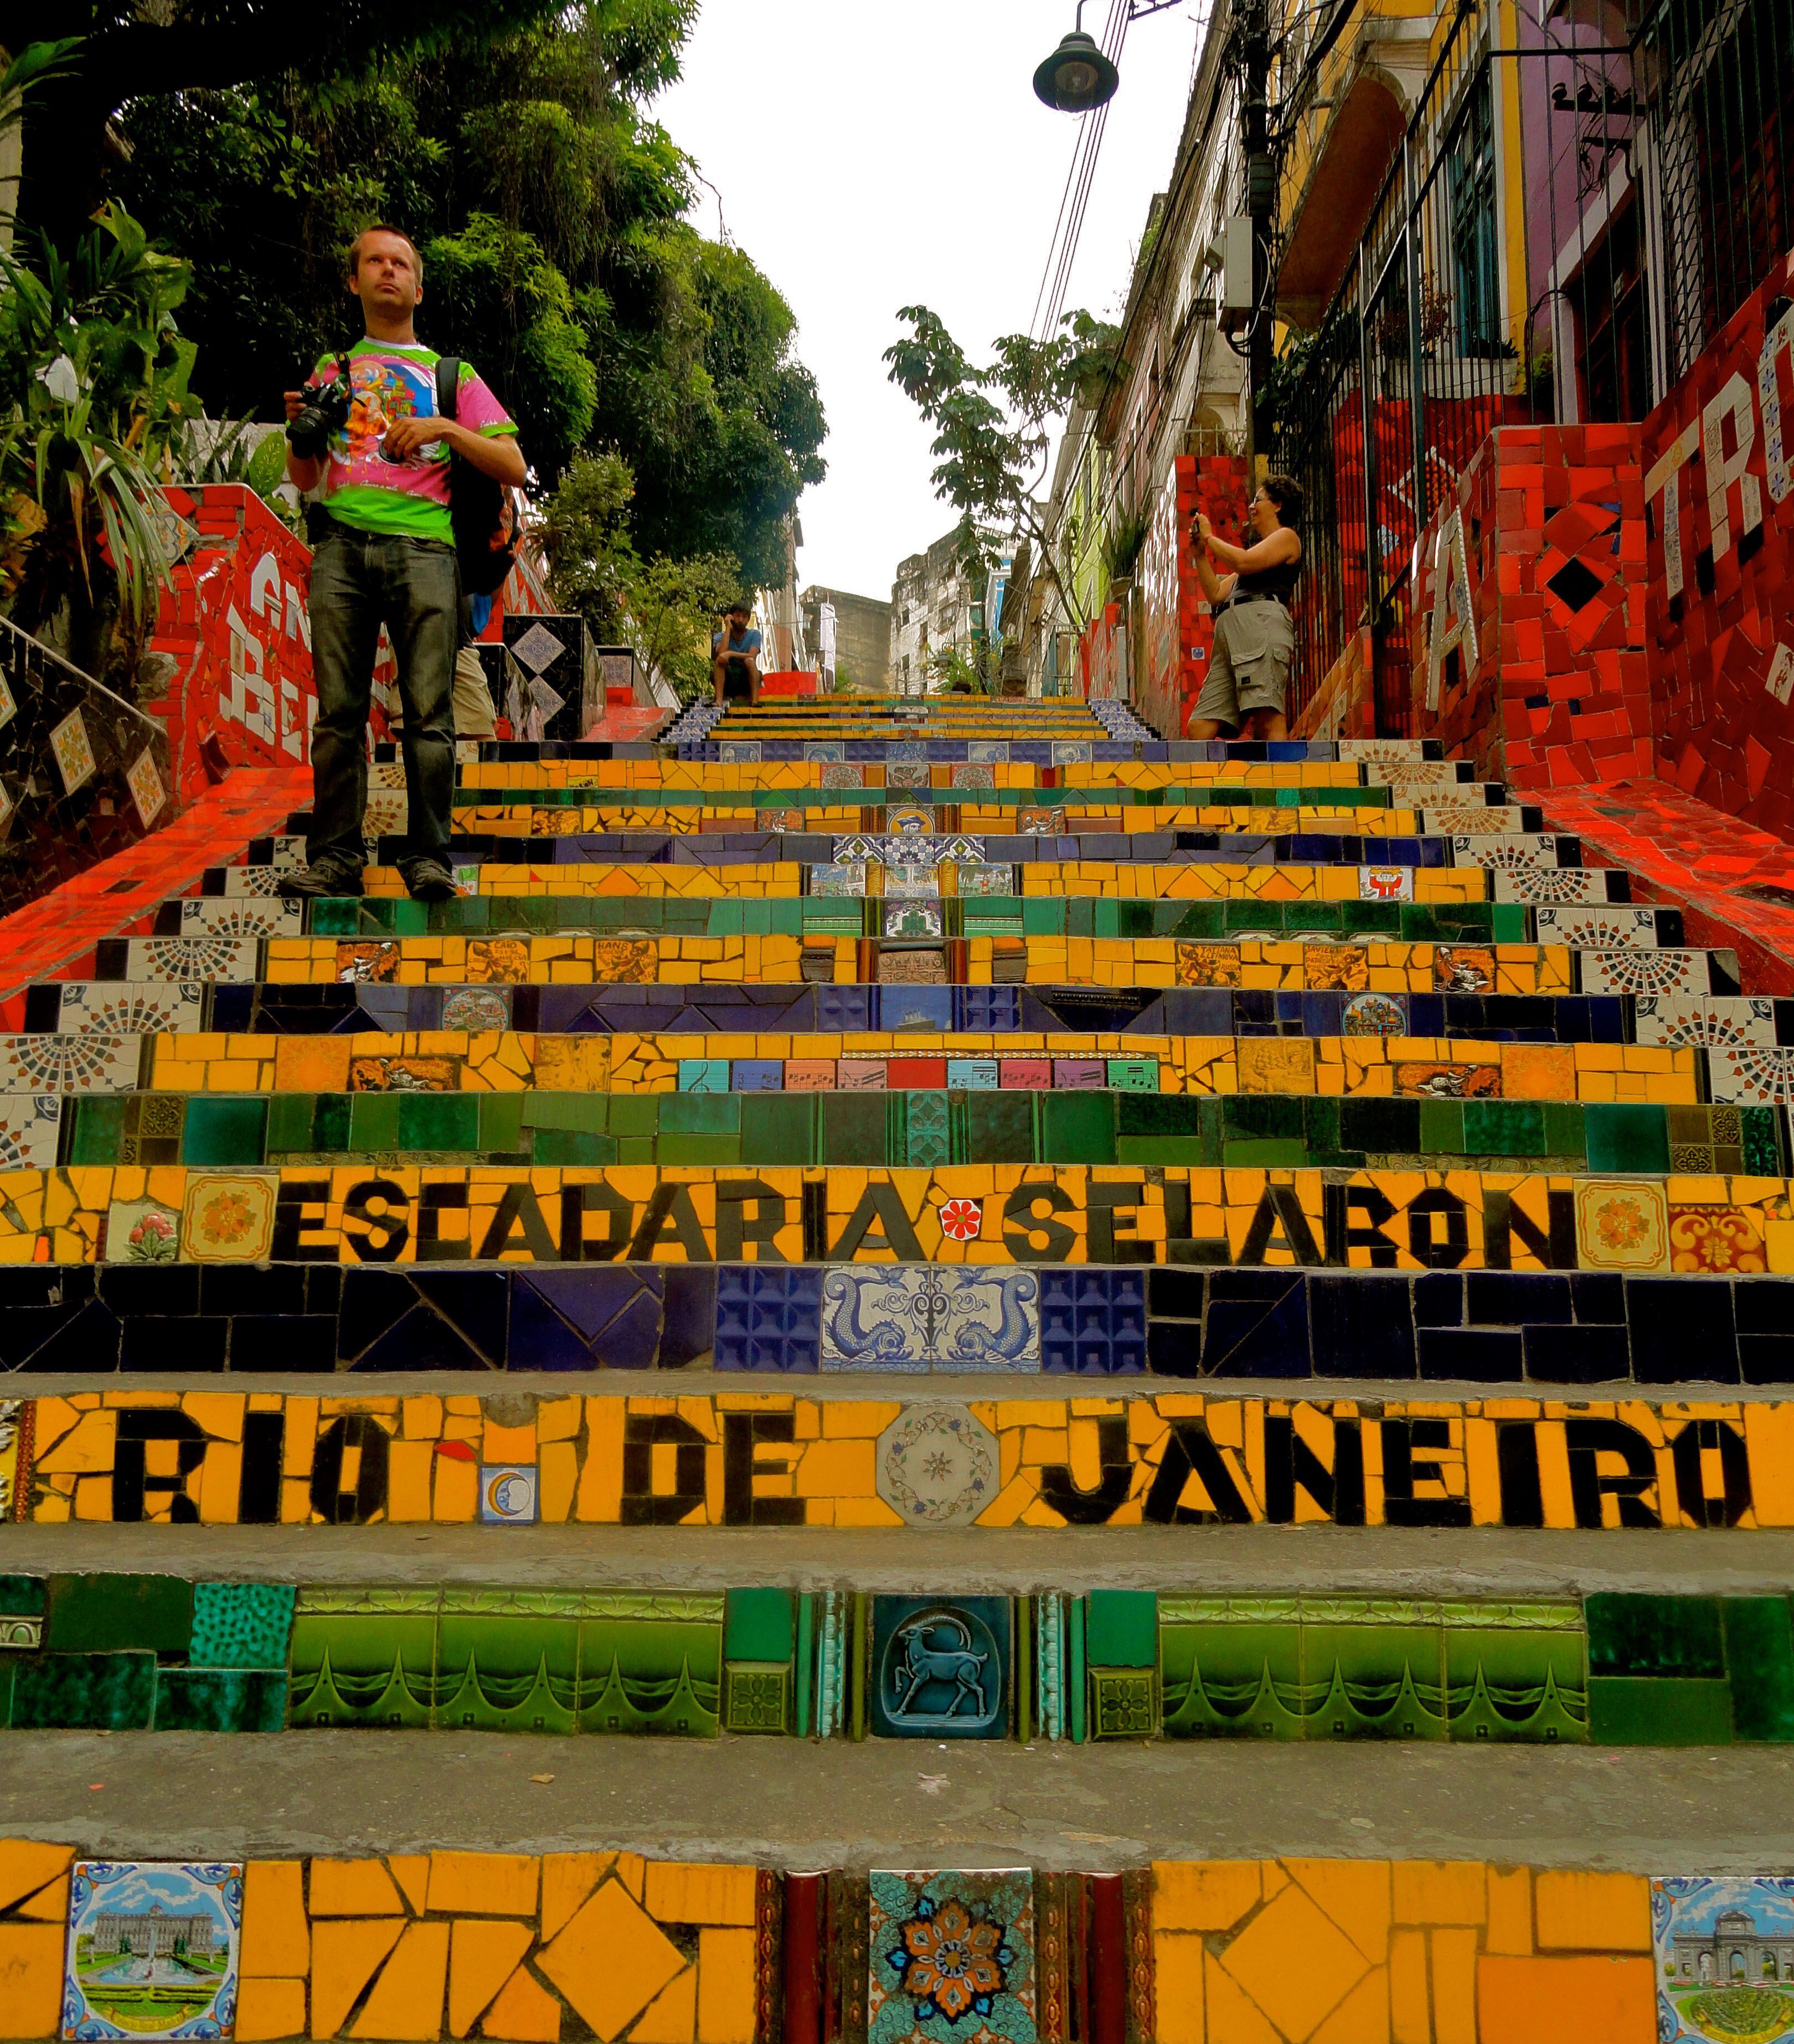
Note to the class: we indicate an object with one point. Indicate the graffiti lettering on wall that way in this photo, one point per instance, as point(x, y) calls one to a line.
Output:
point(1720, 484)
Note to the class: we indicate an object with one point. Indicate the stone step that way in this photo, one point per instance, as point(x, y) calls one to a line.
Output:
point(1207, 1815)
point(995, 766)
point(926, 1212)
point(200, 1127)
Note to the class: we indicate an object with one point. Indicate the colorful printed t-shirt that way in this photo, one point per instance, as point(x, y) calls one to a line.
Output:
point(398, 380)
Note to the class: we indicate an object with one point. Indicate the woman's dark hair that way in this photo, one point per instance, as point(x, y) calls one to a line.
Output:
point(1285, 492)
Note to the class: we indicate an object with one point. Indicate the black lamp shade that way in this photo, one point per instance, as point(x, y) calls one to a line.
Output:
point(1076, 76)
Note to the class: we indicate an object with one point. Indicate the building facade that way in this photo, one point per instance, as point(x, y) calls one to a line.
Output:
point(156, 1934)
point(861, 640)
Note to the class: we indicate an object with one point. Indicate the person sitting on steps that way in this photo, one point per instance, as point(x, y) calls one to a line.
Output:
point(734, 658)
point(1254, 637)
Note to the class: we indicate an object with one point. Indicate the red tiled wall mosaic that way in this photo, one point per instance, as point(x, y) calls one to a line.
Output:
point(233, 635)
point(235, 642)
point(1344, 705)
point(1556, 692)
point(1172, 659)
point(1721, 598)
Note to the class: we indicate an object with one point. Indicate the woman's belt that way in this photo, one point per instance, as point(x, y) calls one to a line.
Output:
point(1252, 596)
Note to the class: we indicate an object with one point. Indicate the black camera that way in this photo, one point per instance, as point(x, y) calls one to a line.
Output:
point(323, 415)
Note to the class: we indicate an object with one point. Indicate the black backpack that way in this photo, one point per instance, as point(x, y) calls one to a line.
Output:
point(487, 518)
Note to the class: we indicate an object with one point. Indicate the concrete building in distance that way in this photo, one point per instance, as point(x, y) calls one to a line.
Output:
point(937, 605)
point(862, 637)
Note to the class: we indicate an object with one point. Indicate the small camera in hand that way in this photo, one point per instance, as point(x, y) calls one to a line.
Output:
point(323, 415)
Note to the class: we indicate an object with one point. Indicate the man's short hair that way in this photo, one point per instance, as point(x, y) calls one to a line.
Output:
point(740, 608)
point(398, 233)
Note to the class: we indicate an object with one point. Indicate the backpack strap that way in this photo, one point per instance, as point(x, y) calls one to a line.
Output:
point(448, 387)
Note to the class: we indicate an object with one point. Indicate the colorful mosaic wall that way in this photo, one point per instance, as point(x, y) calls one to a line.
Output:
point(1353, 1153)
point(1124, 1456)
point(542, 1947)
point(1529, 614)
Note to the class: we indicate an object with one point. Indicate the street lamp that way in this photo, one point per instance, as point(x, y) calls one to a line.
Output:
point(1076, 78)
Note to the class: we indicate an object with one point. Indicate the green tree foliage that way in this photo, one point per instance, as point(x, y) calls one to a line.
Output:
point(667, 607)
point(549, 207)
point(992, 424)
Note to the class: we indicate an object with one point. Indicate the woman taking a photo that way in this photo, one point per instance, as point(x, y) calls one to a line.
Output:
point(1255, 638)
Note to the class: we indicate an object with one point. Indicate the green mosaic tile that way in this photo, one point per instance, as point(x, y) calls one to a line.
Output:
point(101, 1614)
point(1633, 1710)
point(1626, 1139)
point(356, 1667)
point(1760, 1661)
point(439, 1121)
point(506, 1674)
point(224, 1130)
point(1510, 1686)
point(373, 1122)
point(778, 1128)
point(1124, 1703)
point(1121, 1628)
point(83, 1693)
point(758, 1625)
point(758, 1696)
point(221, 1699)
point(1633, 1635)
point(98, 1127)
point(241, 1625)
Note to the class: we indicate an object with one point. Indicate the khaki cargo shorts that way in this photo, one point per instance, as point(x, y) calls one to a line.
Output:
point(1249, 668)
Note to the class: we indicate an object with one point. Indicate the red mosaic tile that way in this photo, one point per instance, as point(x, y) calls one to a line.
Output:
point(57, 933)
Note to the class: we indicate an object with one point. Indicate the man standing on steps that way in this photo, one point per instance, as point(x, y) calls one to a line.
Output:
point(383, 552)
point(735, 657)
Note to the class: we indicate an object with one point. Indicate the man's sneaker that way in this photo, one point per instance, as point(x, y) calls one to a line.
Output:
point(329, 880)
point(429, 880)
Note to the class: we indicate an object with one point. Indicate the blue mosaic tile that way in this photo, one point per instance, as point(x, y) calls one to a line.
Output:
point(1093, 1323)
point(768, 1317)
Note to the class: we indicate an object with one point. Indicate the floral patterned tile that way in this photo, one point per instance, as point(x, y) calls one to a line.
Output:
point(952, 1957)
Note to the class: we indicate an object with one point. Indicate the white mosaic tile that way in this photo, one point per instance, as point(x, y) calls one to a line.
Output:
point(937, 1466)
point(29, 1123)
point(69, 1064)
point(217, 916)
point(1646, 972)
point(930, 1316)
point(1609, 928)
point(1478, 818)
point(1524, 848)
point(128, 1008)
point(1750, 1077)
point(162, 959)
point(1559, 886)
point(1740, 1020)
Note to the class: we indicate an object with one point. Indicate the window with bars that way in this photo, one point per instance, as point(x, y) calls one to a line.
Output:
point(1475, 246)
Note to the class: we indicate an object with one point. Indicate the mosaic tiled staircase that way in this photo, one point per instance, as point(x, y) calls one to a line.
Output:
point(1407, 1203)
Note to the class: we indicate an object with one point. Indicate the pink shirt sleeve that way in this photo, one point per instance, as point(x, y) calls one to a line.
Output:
point(477, 407)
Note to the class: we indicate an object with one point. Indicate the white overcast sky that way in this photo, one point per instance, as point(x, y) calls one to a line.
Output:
point(879, 153)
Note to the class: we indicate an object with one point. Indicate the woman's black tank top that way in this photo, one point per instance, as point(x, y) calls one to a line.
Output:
point(1278, 580)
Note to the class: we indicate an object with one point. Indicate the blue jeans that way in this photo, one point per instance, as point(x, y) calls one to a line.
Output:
point(360, 581)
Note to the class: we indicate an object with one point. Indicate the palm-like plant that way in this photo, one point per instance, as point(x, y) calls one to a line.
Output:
point(93, 381)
